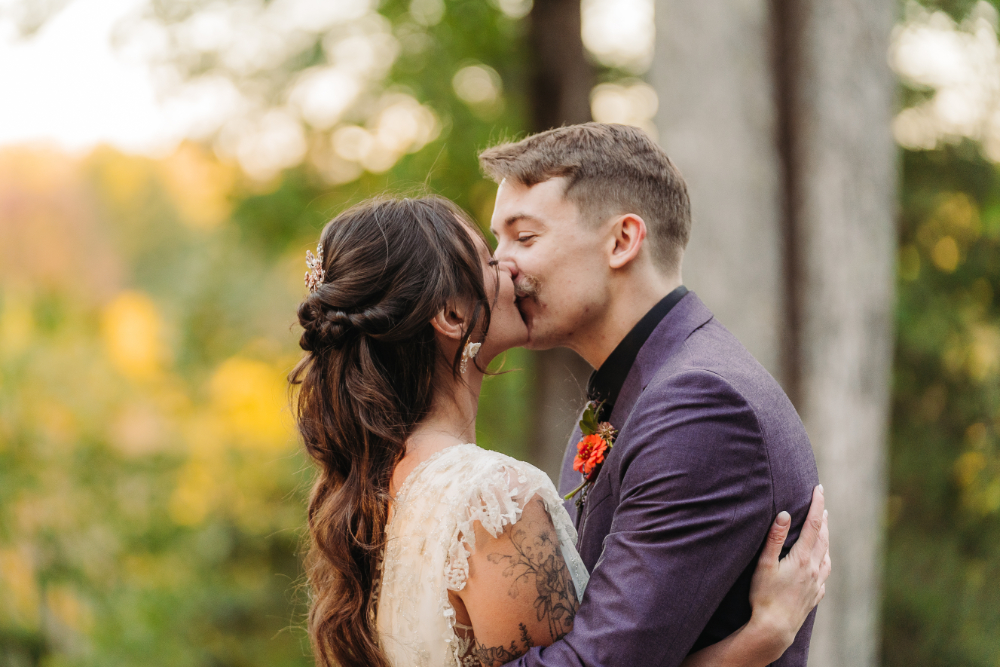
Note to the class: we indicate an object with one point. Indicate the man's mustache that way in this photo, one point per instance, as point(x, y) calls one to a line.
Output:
point(526, 287)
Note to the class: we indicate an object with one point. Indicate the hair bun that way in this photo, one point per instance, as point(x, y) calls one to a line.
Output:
point(324, 327)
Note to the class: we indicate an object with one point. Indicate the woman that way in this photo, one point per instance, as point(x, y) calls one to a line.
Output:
point(425, 549)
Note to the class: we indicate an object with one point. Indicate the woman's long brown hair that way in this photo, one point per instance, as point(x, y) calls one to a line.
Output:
point(366, 381)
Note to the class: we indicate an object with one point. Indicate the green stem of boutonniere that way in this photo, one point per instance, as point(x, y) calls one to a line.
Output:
point(576, 490)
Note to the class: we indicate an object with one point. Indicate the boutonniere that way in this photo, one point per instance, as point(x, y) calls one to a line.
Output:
point(598, 439)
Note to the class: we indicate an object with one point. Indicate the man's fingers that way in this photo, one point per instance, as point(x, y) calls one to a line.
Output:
point(776, 539)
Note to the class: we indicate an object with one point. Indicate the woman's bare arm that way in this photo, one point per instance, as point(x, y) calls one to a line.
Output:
point(519, 592)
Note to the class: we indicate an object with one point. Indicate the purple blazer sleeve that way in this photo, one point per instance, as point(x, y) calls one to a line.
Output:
point(691, 477)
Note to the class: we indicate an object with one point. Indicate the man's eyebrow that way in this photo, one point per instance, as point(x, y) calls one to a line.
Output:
point(517, 217)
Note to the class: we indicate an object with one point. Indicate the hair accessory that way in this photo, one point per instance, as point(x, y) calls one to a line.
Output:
point(469, 352)
point(315, 274)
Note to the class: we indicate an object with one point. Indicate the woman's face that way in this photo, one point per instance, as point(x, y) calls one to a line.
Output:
point(507, 328)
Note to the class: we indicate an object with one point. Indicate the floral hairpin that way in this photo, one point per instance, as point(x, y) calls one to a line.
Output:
point(315, 274)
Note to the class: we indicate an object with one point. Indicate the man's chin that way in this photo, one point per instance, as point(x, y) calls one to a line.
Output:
point(525, 306)
point(536, 346)
point(536, 342)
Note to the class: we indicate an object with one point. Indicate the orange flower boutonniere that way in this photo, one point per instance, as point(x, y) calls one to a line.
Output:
point(598, 439)
point(590, 453)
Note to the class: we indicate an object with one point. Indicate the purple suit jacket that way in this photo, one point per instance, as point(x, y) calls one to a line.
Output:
point(709, 450)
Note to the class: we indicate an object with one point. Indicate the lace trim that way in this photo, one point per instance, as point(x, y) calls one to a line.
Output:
point(436, 509)
point(496, 504)
point(408, 482)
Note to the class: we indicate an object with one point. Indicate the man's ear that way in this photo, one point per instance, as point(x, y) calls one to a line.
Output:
point(450, 321)
point(629, 233)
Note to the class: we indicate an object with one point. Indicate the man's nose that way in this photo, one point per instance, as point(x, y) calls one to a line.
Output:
point(508, 265)
point(503, 255)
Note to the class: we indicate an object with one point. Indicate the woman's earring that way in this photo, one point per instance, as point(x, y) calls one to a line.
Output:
point(469, 352)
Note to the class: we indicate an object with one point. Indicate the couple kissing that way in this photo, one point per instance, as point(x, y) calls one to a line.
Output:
point(687, 476)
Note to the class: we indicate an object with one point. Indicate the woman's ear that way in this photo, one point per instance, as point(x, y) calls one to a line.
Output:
point(450, 321)
point(629, 233)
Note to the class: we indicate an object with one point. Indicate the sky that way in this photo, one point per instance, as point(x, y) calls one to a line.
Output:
point(68, 86)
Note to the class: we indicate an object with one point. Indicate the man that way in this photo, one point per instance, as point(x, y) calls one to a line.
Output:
point(593, 220)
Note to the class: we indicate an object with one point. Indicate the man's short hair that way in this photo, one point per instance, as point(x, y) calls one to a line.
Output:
point(610, 170)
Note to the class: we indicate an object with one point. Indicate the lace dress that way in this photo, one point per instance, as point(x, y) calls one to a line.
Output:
point(431, 537)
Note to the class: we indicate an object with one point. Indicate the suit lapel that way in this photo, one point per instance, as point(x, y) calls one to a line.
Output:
point(666, 340)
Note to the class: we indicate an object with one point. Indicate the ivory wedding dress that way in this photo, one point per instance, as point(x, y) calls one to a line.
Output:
point(431, 536)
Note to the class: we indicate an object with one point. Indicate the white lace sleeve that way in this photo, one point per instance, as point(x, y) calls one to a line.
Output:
point(432, 535)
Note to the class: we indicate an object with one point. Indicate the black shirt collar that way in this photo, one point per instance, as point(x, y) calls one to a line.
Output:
point(606, 382)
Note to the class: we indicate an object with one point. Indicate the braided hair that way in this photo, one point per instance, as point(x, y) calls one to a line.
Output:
point(367, 379)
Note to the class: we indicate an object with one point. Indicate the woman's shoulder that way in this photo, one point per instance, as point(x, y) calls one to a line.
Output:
point(466, 467)
point(466, 484)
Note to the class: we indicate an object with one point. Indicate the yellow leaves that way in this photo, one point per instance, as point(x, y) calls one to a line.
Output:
point(16, 325)
point(978, 473)
point(945, 254)
point(194, 495)
point(232, 445)
point(133, 335)
point(968, 466)
point(949, 230)
point(162, 571)
point(199, 185)
point(958, 213)
point(57, 423)
point(66, 606)
point(984, 352)
point(110, 449)
point(945, 235)
point(123, 179)
point(249, 396)
point(975, 352)
point(19, 588)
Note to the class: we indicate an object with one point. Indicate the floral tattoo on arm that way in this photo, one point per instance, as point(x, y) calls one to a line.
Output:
point(502, 654)
point(537, 558)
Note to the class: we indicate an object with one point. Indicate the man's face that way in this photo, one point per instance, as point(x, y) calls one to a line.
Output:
point(557, 260)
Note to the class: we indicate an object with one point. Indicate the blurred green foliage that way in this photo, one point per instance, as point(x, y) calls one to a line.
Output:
point(957, 9)
point(152, 488)
point(942, 601)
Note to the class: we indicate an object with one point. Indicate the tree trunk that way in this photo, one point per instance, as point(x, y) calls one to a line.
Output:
point(561, 81)
point(777, 112)
point(717, 121)
point(561, 77)
point(843, 203)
